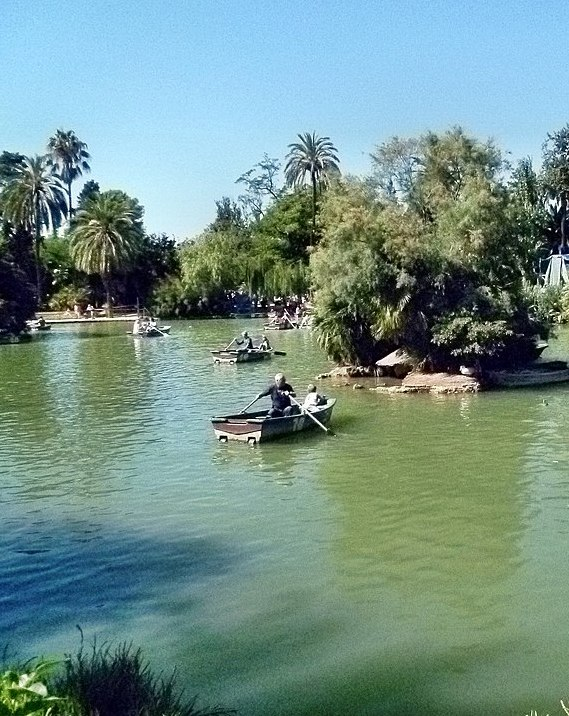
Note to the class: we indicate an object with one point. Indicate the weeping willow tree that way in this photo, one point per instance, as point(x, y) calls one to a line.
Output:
point(273, 276)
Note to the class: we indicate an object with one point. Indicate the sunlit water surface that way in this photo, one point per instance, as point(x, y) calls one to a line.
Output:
point(415, 563)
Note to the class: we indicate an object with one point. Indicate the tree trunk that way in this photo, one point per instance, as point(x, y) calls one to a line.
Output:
point(313, 210)
point(69, 207)
point(107, 285)
point(563, 219)
point(37, 242)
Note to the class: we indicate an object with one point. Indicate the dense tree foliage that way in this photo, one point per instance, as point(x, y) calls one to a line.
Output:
point(433, 251)
point(424, 257)
point(17, 296)
point(33, 199)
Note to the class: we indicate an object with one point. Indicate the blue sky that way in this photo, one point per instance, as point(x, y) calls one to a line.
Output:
point(177, 98)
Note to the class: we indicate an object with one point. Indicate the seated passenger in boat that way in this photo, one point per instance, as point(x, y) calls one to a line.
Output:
point(264, 345)
point(245, 343)
point(313, 398)
point(280, 392)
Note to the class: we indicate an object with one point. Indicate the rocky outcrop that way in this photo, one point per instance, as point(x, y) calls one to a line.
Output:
point(418, 382)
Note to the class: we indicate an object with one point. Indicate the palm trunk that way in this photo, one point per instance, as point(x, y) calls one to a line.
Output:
point(69, 206)
point(37, 241)
point(313, 210)
point(107, 285)
point(563, 219)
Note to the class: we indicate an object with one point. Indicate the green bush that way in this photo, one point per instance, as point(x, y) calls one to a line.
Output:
point(24, 692)
point(67, 297)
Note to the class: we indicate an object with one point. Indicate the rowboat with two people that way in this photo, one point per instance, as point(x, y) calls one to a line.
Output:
point(286, 416)
point(148, 328)
point(246, 352)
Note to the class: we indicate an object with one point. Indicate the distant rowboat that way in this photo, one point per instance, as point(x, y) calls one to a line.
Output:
point(150, 331)
point(243, 356)
point(38, 325)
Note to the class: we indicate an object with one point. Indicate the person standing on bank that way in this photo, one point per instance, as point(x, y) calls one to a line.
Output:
point(280, 392)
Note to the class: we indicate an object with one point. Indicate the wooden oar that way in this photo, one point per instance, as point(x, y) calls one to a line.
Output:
point(229, 346)
point(289, 319)
point(248, 406)
point(315, 419)
point(159, 331)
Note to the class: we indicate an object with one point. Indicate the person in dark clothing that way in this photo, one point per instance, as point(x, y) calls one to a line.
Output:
point(246, 342)
point(280, 392)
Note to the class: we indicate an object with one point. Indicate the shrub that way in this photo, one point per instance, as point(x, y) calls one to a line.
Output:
point(67, 297)
point(24, 692)
point(118, 681)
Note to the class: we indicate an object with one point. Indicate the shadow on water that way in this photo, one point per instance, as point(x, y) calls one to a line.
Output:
point(124, 579)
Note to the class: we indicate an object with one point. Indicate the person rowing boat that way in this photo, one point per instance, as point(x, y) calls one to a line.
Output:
point(280, 393)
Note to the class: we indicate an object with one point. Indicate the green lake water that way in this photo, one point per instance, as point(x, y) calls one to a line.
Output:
point(415, 563)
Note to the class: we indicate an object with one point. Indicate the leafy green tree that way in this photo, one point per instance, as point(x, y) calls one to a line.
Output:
point(555, 174)
point(33, 200)
point(211, 267)
point(276, 259)
point(261, 187)
point(528, 218)
point(106, 236)
point(69, 155)
point(9, 162)
point(90, 188)
point(229, 216)
point(396, 170)
point(430, 267)
point(157, 258)
point(17, 299)
point(313, 159)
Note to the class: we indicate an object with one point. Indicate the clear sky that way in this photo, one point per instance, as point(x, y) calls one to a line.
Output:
point(177, 98)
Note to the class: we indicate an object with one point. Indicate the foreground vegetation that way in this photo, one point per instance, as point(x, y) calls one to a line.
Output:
point(103, 681)
point(434, 251)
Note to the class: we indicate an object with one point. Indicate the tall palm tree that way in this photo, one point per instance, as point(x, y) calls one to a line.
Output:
point(32, 199)
point(69, 155)
point(105, 236)
point(312, 159)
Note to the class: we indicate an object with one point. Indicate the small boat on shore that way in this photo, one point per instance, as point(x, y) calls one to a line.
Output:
point(248, 355)
point(539, 373)
point(256, 427)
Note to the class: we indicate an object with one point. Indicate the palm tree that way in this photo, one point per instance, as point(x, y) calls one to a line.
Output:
point(69, 155)
point(105, 236)
point(32, 199)
point(314, 159)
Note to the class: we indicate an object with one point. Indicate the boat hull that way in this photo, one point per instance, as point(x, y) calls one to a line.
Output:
point(256, 427)
point(246, 356)
point(151, 332)
point(527, 378)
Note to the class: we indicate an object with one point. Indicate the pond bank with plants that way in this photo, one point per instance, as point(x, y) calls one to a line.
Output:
point(103, 680)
